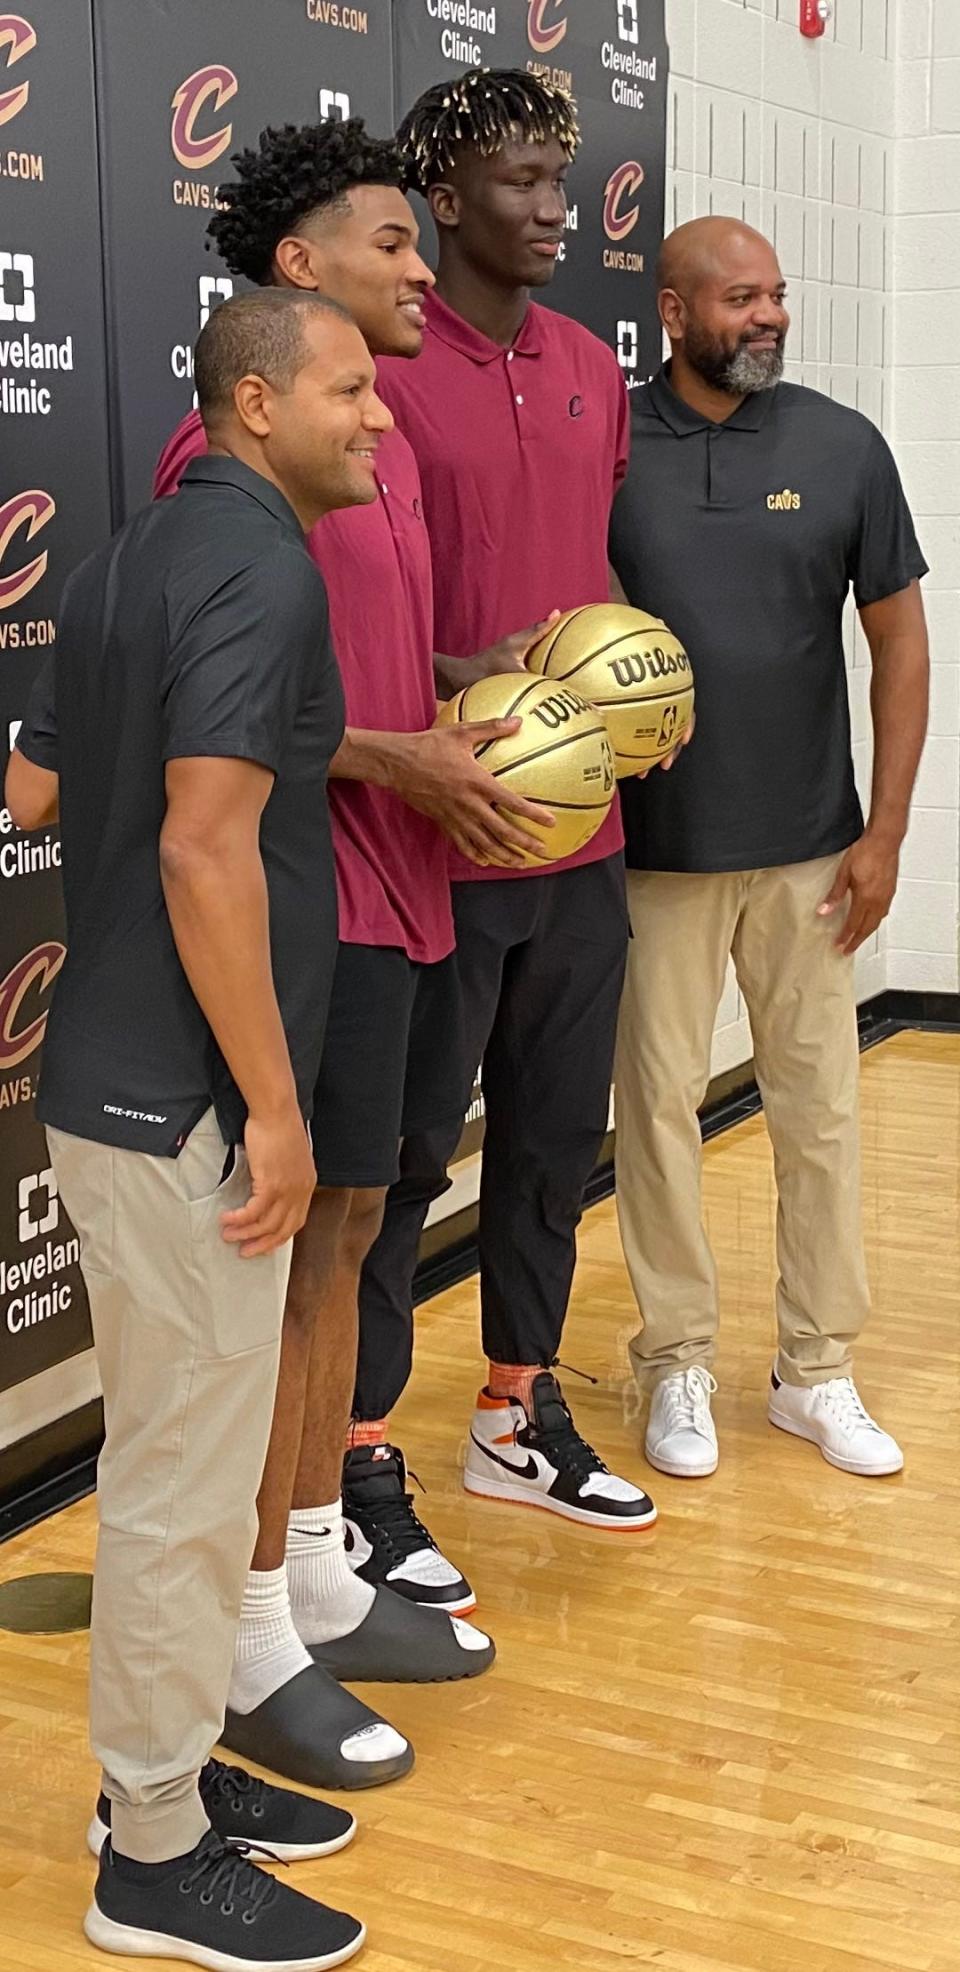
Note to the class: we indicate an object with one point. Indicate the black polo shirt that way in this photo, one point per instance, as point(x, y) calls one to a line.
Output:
point(200, 630)
point(746, 537)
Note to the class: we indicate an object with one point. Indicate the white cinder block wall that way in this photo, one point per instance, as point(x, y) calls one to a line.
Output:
point(802, 139)
point(925, 360)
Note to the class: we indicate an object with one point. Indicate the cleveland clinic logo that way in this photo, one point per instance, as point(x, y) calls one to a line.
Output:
point(621, 200)
point(30, 510)
point(34, 973)
point(544, 31)
point(204, 94)
point(17, 38)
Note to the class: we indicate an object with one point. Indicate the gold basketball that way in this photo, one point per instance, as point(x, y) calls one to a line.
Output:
point(560, 755)
point(632, 668)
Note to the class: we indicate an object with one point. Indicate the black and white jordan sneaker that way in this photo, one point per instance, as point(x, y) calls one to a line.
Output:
point(540, 1459)
point(387, 1545)
point(249, 1812)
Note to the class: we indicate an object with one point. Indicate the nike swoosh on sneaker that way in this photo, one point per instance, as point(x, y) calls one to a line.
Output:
point(529, 1471)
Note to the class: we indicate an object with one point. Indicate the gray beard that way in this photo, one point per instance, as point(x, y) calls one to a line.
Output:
point(751, 370)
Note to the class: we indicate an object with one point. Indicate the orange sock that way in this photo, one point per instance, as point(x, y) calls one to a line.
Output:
point(513, 1380)
point(366, 1431)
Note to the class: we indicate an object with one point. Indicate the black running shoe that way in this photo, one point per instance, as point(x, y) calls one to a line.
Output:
point(243, 1809)
point(387, 1545)
point(540, 1459)
point(213, 1908)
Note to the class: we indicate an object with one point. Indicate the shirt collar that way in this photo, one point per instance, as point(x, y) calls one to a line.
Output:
point(468, 341)
point(217, 469)
point(751, 415)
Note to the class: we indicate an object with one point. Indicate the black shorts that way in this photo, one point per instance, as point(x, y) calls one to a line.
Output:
point(393, 1063)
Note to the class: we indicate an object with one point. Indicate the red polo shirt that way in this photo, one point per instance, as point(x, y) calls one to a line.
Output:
point(392, 882)
point(520, 452)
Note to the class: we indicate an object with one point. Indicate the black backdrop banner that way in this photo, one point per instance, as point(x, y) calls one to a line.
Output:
point(117, 120)
point(54, 508)
point(180, 86)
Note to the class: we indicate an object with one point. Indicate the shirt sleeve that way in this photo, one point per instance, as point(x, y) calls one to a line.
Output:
point(242, 645)
point(886, 555)
point(189, 441)
point(37, 738)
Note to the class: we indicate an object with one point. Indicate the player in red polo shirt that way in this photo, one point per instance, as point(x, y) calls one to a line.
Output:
point(322, 208)
point(518, 419)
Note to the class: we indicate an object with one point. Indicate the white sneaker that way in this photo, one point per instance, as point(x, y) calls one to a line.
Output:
point(681, 1435)
point(832, 1416)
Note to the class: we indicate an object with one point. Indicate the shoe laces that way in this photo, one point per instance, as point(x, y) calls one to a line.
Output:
point(840, 1397)
point(227, 1873)
point(563, 1443)
point(392, 1520)
point(687, 1400)
point(235, 1788)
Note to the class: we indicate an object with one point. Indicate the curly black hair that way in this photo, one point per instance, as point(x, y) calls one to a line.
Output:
point(481, 110)
point(292, 173)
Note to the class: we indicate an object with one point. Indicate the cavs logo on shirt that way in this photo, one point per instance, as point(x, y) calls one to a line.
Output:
point(783, 503)
point(544, 31)
point(30, 510)
point(17, 37)
point(201, 97)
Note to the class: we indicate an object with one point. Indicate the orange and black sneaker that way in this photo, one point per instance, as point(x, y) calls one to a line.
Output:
point(538, 1458)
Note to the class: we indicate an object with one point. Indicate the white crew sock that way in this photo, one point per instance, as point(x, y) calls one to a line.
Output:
point(326, 1598)
point(268, 1650)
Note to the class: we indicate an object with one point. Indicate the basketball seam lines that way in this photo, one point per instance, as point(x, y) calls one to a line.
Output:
point(511, 713)
point(556, 633)
point(524, 759)
point(627, 638)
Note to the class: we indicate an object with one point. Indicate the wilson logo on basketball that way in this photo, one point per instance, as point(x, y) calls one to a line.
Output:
point(621, 200)
point(17, 37)
point(558, 708)
point(544, 31)
point(207, 90)
point(634, 669)
point(31, 976)
point(32, 511)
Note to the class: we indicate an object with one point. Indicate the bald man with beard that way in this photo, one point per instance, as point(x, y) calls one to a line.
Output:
point(751, 508)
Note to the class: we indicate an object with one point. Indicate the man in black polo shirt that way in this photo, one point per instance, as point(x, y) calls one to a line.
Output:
point(197, 706)
point(750, 509)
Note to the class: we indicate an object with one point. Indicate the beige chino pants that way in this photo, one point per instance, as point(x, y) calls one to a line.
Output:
point(800, 997)
point(188, 1344)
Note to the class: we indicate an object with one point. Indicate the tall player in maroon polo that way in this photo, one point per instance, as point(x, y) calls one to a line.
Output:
point(322, 208)
point(518, 419)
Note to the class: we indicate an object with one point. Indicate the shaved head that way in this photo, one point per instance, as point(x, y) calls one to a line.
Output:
point(712, 248)
point(721, 298)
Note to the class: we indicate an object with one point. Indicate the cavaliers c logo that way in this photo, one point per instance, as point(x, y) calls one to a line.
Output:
point(213, 86)
point(32, 510)
point(17, 37)
point(38, 969)
point(543, 38)
point(621, 200)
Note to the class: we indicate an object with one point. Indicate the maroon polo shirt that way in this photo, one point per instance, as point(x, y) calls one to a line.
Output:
point(393, 887)
point(520, 452)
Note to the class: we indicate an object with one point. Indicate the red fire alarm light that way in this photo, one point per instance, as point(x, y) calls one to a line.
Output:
point(814, 15)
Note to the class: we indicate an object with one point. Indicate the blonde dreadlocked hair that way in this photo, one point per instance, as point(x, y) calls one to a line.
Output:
point(483, 110)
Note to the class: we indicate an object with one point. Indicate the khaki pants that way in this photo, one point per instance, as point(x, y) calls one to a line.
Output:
point(188, 1342)
point(800, 998)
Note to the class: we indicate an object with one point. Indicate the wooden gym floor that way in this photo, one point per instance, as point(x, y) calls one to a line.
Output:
point(731, 1745)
